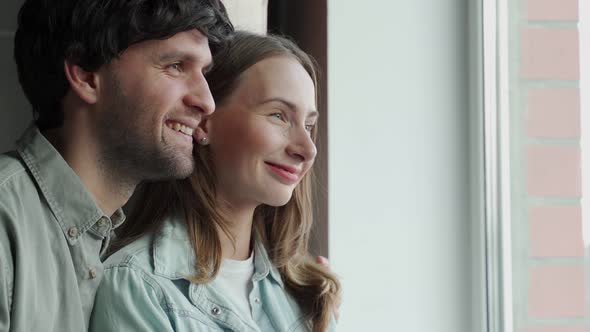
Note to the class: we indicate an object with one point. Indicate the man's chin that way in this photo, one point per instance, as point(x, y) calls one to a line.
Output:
point(183, 170)
point(175, 168)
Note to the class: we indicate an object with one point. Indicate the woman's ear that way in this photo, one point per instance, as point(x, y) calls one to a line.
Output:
point(83, 83)
point(203, 131)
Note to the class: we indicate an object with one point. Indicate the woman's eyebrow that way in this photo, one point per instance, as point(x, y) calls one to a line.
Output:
point(312, 113)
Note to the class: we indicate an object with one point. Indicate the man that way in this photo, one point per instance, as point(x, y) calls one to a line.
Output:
point(117, 88)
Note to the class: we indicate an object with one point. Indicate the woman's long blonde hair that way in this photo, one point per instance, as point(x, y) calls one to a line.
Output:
point(284, 230)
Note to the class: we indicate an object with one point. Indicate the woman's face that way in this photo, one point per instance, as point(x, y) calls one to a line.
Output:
point(260, 135)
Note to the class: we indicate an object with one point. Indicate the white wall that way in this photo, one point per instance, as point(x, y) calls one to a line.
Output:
point(248, 14)
point(399, 164)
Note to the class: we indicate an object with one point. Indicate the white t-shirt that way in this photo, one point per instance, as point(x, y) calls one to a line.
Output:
point(234, 280)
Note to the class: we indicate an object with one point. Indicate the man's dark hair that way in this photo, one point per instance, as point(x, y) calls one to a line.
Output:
point(91, 33)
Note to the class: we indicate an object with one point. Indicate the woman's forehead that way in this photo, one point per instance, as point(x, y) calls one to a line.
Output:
point(280, 76)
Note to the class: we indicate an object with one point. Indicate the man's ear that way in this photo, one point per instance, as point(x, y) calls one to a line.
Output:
point(83, 83)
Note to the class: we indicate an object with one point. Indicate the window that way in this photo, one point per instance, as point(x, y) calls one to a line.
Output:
point(535, 149)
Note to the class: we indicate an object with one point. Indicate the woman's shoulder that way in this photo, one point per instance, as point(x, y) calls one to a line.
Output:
point(136, 253)
point(130, 275)
point(140, 251)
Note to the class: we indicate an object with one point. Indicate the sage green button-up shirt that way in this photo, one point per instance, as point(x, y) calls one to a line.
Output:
point(51, 237)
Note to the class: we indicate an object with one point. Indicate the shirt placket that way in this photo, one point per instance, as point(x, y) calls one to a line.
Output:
point(256, 302)
point(89, 269)
point(217, 312)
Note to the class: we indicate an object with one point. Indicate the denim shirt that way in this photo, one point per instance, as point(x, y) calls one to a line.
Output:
point(51, 237)
point(145, 289)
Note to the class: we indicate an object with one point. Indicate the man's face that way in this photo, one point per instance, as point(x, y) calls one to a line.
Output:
point(151, 99)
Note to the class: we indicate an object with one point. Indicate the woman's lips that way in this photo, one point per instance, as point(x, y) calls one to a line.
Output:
point(289, 174)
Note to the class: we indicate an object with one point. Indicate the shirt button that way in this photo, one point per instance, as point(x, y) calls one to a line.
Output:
point(215, 311)
point(73, 231)
point(257, 300)
point(92, 273)
point(102, 222)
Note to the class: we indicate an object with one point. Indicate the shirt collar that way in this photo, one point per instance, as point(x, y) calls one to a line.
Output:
point(172, 253)
point(69, 201)
point(263, 265)
point(174, 257)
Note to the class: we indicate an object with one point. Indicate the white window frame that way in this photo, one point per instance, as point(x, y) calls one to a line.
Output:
point(496, 206)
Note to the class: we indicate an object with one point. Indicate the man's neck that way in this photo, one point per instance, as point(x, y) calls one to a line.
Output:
point(81, 153)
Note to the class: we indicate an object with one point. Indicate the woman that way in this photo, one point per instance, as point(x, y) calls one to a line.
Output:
point(227, 249)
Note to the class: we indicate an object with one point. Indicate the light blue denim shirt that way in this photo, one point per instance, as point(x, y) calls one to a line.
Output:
point(144, 288)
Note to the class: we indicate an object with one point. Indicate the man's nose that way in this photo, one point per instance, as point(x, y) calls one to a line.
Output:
point(199, 96)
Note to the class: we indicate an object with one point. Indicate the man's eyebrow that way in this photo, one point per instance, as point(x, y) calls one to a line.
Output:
point(172, 55)
point(208, 67)
point(180, 55)
point(311, 113)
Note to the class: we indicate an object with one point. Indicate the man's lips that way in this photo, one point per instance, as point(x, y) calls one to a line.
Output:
point(181, 130)
point(184, 127)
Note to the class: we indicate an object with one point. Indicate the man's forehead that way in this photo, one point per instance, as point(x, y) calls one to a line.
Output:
point(197, 35)
point(190, 36)
point(189, 43)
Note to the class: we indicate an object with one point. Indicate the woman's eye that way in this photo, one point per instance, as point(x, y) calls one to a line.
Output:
point(309, 127)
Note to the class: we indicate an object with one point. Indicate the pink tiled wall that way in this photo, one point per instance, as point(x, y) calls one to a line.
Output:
point(553, 113)
point(555, 231)
point(550, 53)
point(549, 69)
point(553, 170)
point(555, 328)
point(556, 291)
point(552, 10)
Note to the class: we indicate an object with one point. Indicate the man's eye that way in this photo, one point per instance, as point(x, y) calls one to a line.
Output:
point(175, 66)
point(278, 116)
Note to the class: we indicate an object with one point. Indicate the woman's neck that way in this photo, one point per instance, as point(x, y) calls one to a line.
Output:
point(240, 226)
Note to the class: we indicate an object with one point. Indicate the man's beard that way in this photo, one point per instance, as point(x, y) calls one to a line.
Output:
point(128, 152)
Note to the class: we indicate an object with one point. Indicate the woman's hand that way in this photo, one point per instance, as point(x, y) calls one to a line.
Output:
point(326, 263)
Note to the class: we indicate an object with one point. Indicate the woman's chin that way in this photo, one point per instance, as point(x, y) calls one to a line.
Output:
point(278, 200)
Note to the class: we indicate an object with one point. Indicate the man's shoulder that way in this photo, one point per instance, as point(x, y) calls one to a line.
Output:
point(20, 200)
point(11, 167)
point(12, 170)
point(17, 185)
